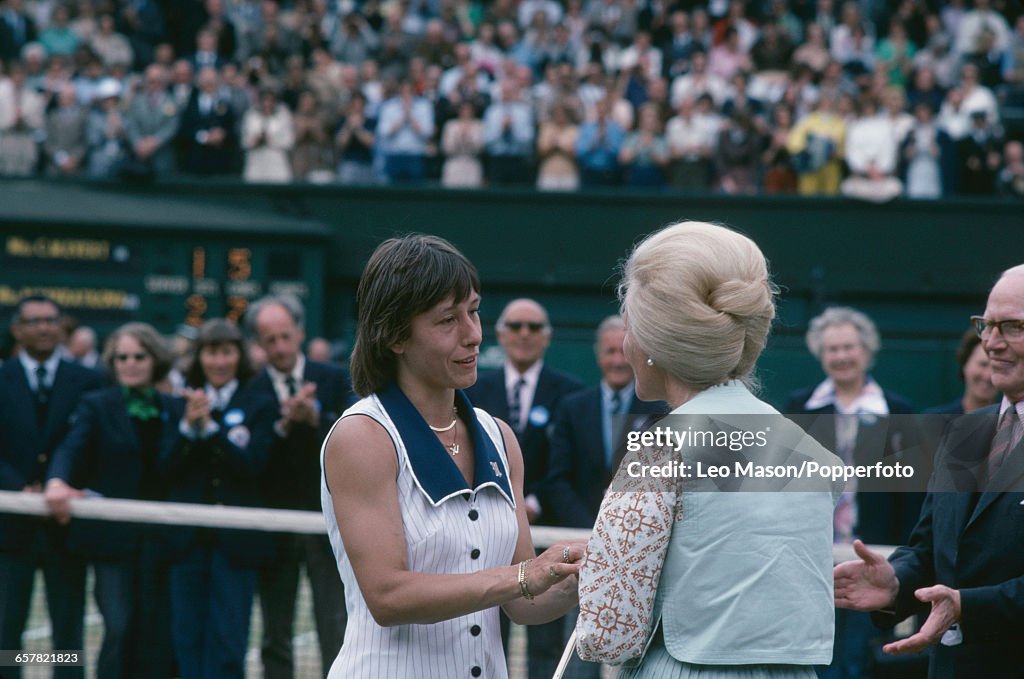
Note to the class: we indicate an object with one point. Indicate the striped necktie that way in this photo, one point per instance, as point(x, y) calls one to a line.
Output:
point(515, 406)
point(1008, 435)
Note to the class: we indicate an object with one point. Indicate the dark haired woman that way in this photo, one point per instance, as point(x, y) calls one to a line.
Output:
point(421, 492)
point(112, 450)
point(224, 444)
point(975, 373)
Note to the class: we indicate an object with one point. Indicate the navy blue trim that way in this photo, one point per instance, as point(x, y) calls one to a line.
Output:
point(435, 471)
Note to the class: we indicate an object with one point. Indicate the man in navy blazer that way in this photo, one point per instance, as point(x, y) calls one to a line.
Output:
point(310, 396)
point(524, 332)
point(964, 559)
point(38, 394)
point(588, 439)
point(526, 393)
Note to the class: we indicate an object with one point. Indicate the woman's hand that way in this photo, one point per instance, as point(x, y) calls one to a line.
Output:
point(58, 497)
point(554, 565)
point(197, 408)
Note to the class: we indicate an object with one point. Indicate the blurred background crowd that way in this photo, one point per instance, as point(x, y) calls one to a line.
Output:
point(870, 98)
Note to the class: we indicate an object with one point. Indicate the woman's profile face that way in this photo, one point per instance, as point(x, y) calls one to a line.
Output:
point(133, 365)
point(978, 376)
point(442, 348)
point(219, 363)
point(843, 356)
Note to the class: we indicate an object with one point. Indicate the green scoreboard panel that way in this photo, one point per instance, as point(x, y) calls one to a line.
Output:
point(105, 276)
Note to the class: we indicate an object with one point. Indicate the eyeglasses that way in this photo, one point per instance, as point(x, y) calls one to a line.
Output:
point(124, 358)
point(1011, 329)
point(532, 326)
point(39, 320)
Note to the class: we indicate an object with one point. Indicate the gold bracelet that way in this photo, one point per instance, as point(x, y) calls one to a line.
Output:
point(523, 589)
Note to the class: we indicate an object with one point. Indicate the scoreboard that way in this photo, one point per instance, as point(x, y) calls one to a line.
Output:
point(108, 275)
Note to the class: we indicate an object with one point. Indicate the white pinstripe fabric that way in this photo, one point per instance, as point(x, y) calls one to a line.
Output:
point(440, 540)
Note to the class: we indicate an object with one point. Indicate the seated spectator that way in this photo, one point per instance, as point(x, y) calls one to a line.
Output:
point(21, 121)
point(405, 126)
point(739, 99)
point(923, 155)
point(813, 53)
point(978, 20)
point(483, 51)
point(105, 132)
point(207, 132)
point(851, 44)
point(679, 45)
point(642, 53)
point(644, 154)
point(871, 156)
point(65, 144)
point(59, 38)
point(779, 176)
point(355, 41)
point(462, 141)
point(111, 47)
point(738, 153)
point(354, 144)
point(816, 146)
point(508, 137)
point(17, 29)
point(773, 52)
point(182, 83)
point(1011, 177)
point(691, 141)
point(895, 112)
point(977, 97)
point(895, 53)
point(205, 54)
point(597, 148)
point(938, 55)
point(924, 88)
point(150, 125)
point(980, 156)
point(698, 81)
point(556, 148)
point(433, 47)
point(88, 79)
point(311, 155)
point(268, 135)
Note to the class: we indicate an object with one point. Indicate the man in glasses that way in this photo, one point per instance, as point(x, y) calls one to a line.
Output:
point(39, 391)
point(964, 560)
point(526, 393)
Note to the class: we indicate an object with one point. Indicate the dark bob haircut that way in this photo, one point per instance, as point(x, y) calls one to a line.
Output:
point(152, 343)
point(969, 340)
point(213, 333)
point(403, 278)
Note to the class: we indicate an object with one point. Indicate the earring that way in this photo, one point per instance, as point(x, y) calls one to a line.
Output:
point(650, 361)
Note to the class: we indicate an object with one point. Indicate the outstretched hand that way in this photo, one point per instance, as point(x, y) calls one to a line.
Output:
point(945, 611)
point(867, 584)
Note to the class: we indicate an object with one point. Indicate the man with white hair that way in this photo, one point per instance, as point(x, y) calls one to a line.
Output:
point(964, 558)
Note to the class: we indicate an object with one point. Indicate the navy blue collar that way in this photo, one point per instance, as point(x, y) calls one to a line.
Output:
point(433, 468)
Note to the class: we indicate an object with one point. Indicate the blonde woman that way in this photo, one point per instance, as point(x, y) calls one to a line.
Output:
point(746, 587)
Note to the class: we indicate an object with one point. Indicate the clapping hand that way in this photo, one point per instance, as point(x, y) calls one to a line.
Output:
point(197, 408)
point(945, 603)
point(867, 584)
point(301, 408)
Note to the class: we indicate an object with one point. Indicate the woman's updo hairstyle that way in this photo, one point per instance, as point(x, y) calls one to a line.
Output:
point(699, 301)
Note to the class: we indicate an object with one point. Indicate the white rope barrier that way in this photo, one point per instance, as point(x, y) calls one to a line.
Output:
point(252, 518)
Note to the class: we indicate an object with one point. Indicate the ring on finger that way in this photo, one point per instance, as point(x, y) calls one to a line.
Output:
point(551, 572)
point(565, 554)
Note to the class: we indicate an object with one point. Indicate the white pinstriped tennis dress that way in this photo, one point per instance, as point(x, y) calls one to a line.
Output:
point(449, 528)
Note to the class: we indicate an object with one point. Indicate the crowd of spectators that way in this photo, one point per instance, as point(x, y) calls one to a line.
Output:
point(874, 99)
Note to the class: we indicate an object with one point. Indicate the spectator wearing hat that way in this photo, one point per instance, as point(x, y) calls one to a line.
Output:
point(105, 132)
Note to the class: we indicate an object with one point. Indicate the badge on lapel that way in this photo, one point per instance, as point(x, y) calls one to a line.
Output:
point(539, 416)
point(234, 417)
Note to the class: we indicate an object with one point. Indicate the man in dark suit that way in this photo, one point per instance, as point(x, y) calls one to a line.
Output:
point(310, 397)
point(38, 394)
point(964, 558)
point(16, 29)
point(526, 394)
point(207, 131)
point(590, 430)
point(587, 443)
